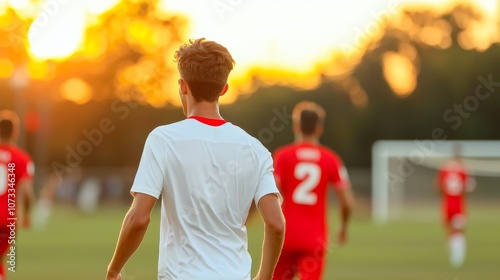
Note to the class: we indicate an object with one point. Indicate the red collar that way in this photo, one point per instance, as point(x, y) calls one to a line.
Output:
point(208, 121)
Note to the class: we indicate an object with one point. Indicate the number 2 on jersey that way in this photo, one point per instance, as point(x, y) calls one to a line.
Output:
point(309, 174)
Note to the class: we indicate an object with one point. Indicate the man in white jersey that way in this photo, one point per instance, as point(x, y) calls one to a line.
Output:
point(207, 172)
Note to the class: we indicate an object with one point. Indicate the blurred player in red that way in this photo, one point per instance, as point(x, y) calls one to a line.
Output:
point(16, 171)
point(303, 171)
point(453, 182)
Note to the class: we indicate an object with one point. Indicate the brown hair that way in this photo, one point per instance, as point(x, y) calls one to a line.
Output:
point(308, 115)
point(205, 66)
point(8, 124)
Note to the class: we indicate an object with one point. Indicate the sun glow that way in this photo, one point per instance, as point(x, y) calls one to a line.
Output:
point(400, 73)
point(76, 90)
point(59, 27)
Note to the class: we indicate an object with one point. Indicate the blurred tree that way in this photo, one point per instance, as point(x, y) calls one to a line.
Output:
point(127, 52)
point(448, 62)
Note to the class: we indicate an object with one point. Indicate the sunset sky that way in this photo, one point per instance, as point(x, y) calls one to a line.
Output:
point(267, 33)
point(286, 40)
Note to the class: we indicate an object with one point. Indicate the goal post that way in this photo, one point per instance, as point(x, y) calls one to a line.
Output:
point(477, 154)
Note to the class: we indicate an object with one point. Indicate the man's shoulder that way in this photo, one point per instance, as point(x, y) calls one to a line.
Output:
point(244, 134)
point(171, 126)
point(18, 154)
point(168, 130)
point(247, 141)
point(327, 151)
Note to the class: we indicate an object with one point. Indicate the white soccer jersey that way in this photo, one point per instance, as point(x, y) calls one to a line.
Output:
point(208, 176)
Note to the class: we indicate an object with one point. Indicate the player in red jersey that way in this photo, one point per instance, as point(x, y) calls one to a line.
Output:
point(303, 171)
point(454, 182)
point(16, 171)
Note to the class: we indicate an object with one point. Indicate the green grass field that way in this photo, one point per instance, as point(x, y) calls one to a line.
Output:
point(78, 247)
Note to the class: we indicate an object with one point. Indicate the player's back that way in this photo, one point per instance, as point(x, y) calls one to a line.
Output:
point(453, 179)
point(211, 177)
point(14, 166)
point(304, 171)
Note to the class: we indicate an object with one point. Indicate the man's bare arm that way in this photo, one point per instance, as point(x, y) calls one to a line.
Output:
point(470, 184)
point(132, 232)
point(26, 196)
point(274, 234)
point(346, 200)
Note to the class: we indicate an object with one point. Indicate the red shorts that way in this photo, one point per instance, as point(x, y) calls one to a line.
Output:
point(454, 216)
point(454, 212)
point(308, 264)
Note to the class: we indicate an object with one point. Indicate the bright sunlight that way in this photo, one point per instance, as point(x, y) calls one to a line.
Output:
point(291, 43)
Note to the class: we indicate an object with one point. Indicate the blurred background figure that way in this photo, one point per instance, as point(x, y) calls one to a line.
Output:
point(43, 206)
point(453, 181)
point(303, 171)
point(114, 187)
point(16, 173)
point(88, 196)
point(56, 189)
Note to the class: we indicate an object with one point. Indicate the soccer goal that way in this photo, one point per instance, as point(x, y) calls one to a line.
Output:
point(404, 172)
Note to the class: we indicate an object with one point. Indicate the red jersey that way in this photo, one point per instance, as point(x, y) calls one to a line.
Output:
point(303, 172)
point(15, 165)
point(453, 181)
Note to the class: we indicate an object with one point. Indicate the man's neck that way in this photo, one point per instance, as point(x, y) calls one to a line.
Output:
point(6, 143)
point(307, 139)
point(204, 109)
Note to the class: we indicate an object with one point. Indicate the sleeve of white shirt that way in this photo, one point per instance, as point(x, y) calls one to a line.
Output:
point(150, 177)
point(267, 183)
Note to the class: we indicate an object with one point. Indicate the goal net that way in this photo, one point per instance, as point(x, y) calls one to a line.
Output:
point(404, 174)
